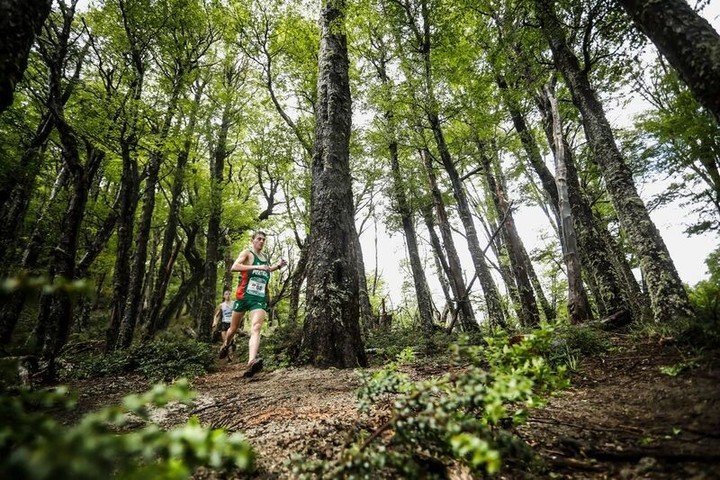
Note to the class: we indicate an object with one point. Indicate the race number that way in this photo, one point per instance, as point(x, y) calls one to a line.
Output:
point(256, 288)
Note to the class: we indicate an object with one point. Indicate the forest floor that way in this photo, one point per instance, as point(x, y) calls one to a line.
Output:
point(641, 411)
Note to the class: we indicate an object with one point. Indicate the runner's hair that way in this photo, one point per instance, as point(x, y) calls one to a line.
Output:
point(259, 232)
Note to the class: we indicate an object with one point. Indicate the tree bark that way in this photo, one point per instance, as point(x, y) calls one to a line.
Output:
point(528, 311)
point(422, 291)
point(331, 332)
point(687, 40)
point(20, 21)
point(212, 254)
point(668, 297)
point(169, 250)
point(578, 306)
point(457, 283)
point(137, 269)
point(601, 264)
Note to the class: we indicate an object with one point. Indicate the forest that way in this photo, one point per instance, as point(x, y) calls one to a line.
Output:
point(359, 239)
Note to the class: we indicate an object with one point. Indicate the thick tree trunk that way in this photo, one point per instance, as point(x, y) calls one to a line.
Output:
point(528, 311)
point(578, 305)
point(20, 21)
point(331, 333)
point(687, 40)
point(668, 297)
point(457, 283)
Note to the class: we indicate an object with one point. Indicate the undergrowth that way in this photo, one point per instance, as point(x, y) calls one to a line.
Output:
point(162, 359)
point(34, 446)
point(465, 416)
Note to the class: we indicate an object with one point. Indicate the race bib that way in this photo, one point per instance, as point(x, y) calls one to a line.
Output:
point(255, 287)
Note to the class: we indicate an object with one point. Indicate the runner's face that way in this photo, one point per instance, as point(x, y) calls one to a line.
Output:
point(258, 243)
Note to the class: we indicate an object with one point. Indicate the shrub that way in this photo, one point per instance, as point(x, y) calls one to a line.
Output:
point(34, 446)
point(457, 417)
point(162, 359)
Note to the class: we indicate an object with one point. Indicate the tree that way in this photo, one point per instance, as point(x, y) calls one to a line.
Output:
point(20, 21)
point(331, 333)
point(688, 41)
point(668, 297)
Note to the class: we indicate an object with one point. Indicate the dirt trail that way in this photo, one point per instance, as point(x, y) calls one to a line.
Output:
point(622, 418)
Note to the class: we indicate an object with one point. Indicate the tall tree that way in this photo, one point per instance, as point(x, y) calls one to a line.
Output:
point(331, 333)
point(668, 297)
point(578, 305)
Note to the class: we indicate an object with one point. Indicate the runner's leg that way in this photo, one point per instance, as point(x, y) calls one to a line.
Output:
point(234, 324)
point(257, 317)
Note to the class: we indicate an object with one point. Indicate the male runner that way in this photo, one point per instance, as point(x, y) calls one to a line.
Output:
point(251, 297)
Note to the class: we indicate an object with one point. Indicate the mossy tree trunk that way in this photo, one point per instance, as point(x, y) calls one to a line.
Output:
point(668, 297)
point(687, 40)
point(331, 332)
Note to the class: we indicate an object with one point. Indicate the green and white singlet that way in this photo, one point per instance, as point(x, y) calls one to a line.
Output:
point(251, 291)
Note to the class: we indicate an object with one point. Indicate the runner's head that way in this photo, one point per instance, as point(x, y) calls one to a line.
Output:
point(258, 240)
point(226, 295)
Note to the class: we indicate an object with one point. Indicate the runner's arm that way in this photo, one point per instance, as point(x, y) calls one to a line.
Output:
point(240, 265)
point(278, 265)
point(216, 316)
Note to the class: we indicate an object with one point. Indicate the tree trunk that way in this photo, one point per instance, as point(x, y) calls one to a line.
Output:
point(668, 297)
point(457, 283)
point(331, 332)
point(15, 197)
point(422, 291)
point(530, 146)
point(528, 311)
point(493, 304)
point(14, 304)
point(212, 257)
point(169, 250)
point(20, 21)
point(600, 264)
point(363, 294)
point(137, 272)
point(578, 305)
point(298, 276)
point(424, 299)
point(687, 40)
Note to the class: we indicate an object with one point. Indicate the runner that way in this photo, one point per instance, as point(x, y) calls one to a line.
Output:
point(251, 296)
point(223, 314)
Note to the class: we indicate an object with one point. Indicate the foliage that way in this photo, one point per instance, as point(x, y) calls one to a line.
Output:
point(165, 358)
point(35, 446)
point(573, 342)
point(461, 416)
point(282, 347)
